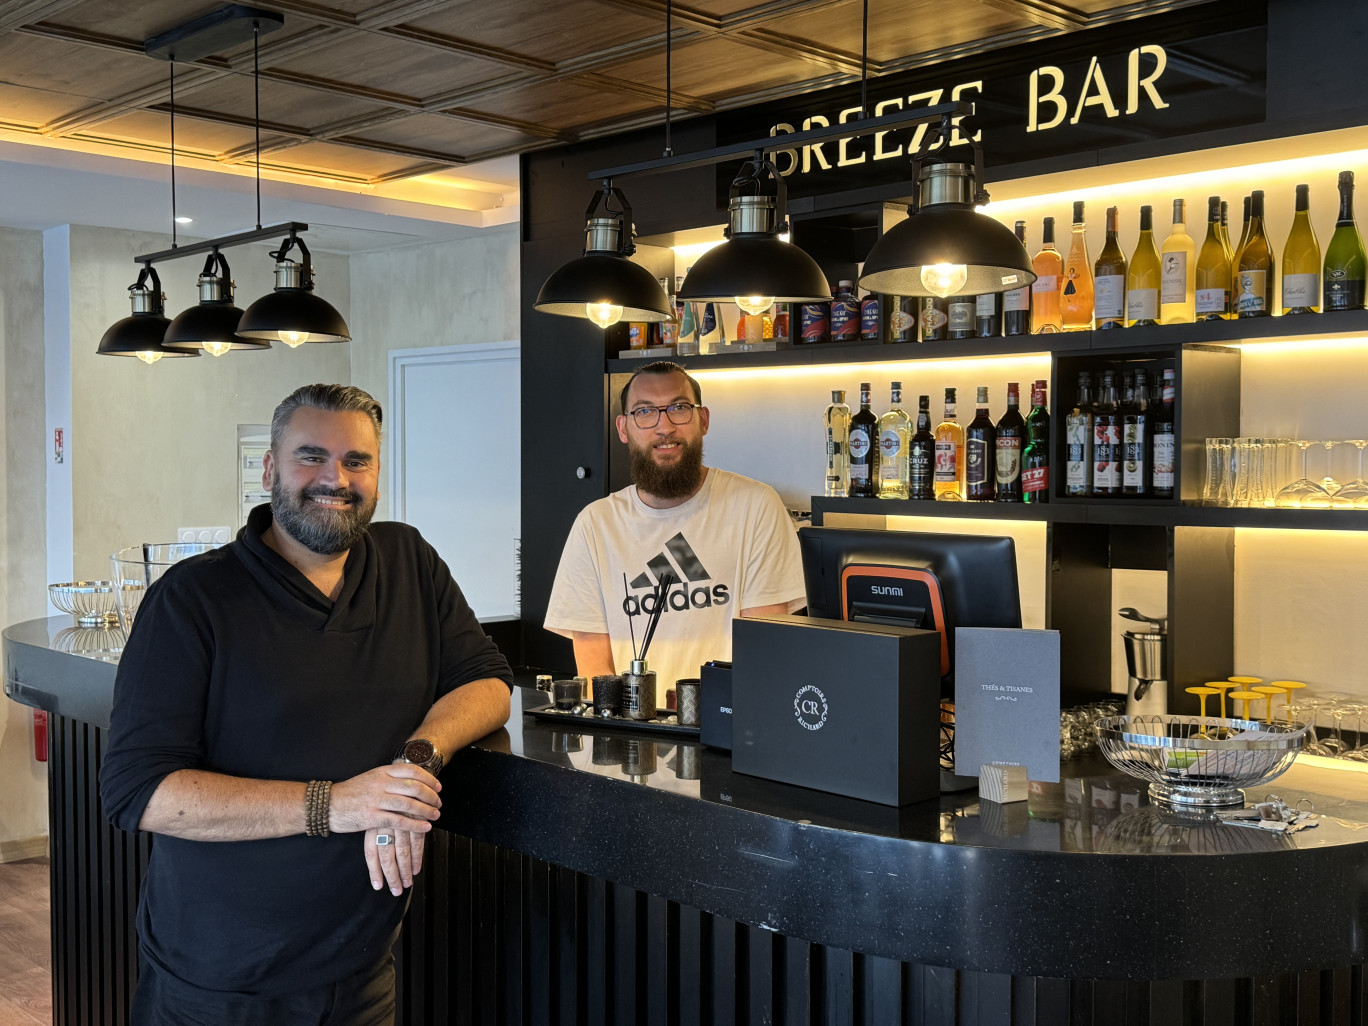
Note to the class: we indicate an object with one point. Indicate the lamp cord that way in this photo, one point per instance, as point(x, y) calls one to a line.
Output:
point(256, 110)
point(173, 154)
point(864, 61)
point(669, 93)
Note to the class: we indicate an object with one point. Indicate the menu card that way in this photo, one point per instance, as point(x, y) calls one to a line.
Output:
point(1007, 700)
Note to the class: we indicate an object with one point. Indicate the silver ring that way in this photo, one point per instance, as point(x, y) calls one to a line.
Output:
point(382, 840)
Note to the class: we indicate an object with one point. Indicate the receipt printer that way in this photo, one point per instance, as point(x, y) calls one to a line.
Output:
point(715, 692)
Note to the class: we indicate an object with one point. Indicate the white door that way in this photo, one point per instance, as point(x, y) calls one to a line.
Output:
point(455, 459)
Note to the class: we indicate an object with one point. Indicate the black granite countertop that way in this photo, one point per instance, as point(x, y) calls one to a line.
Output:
point(1084, 880)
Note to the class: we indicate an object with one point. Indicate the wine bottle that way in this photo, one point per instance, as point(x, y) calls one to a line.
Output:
point(1016, 305)
point(949, 470)
point(1076, 289)
point(1009, 442)
point(980, 453)
point(902, 320)
point(1301, 260)
point(1110, 282)
point(960, 315)
point(1165, 442)
point(1212, 293)
point(1345, 263)
point(863, 449)
point(921, 455)
point(1035, 458)
point(1254, 277)
point(1078, 440)
point(837, 418)
point(1238, 248)
point(1106, 475)
point(895, 434)
point(935, 315)
point(988, 315)
point(1048, 266)
point(1135, 471)
point(1142, 280)
point(1225, 230)
point(1177, 273)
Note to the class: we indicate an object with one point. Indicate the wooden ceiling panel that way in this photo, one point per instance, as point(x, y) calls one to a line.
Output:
point(898, 28)
point(446, 135)
point(137, 21)
point(82, 73)
point(325, 157)
point(35, 107)
point(281, 103)
point(565, 103)
point(549, 30)
point(394, 66)
point(722, 8)
point(201, 137)
point(717, 68)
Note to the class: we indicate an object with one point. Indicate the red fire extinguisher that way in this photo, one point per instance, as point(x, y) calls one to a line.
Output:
point(40, 724)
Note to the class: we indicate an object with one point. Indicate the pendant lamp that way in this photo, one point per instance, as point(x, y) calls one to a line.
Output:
point(603, 284)
point(141, 334)
point(754, 268)
point(292, 313)
point(212, 324)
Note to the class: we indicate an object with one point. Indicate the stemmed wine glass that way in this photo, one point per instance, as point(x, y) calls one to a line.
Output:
point(1328, 482)
point(1311, 707)
point(1359, 753)
point(1354, 495)
point(1303, 493)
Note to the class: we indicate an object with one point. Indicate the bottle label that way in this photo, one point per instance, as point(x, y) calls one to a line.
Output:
point(1109, 297)
point(1142, 305)
point(961, 315)
point(902, 322)
point(1341, 291)
point(1251, 297)
point(1173, 278)
point(1106, 457)
point(1046, 283)
point(1016, 301)
point(858, 444)
point(709, 319)
point(975, 461)
point(1076, 460)
point(814, 321)
point(1035, 479)
point(889, 446)
point(869, 317)
point(920, 457)
point(845, 319)
point(1163, 461)
point(1008, 460)
point(1133, 454)
point(986, 305)
point(1301, 290)
point(669, 332)
point(945, 463)
point(1212, 301)
point(933, 319)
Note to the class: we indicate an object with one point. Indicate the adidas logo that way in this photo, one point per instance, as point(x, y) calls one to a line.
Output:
point(679, 560)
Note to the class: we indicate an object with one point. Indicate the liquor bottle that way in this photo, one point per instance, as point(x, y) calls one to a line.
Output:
point(1008, 446)
point(1345, 262)
point(902, 319)
point(895, 432)
point(1016, 305)
point(1035, 458)
point(869, 318)
point(1212, 284)
point(1164, 447)
point(1110, 284)
point(1178, 271)
point(1135, 471)
point(1078, 440)
point(1225, 230)
point(845, 312)
point(921, 455)
point(1049, 267)
point(1106, 475)
point(668, 330)
point(863, 449)
point(949, 454)
point(1254, 277)
point(837, 419)
point(961, 311)
point(814, 323)
point(988, 315)
point(980, 453)
point(1076, 288)
point(1142, 280)
point(783, 320)
point(935, 315)
point(1301, 260)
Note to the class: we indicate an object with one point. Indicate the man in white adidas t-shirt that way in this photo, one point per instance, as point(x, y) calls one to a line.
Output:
point(727, 541)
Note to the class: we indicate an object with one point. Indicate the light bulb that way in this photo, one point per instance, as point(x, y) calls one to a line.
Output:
point(754, 304)
point(294, 339)
point(149, 357)
point(786, 236)
point(944, 279)
point(216, 348)
point(603, 314)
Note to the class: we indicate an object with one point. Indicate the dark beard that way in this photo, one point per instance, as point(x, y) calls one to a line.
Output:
point(677, 482)
point(324, 531)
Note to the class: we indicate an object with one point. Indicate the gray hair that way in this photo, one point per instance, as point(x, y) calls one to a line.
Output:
point(329, 398)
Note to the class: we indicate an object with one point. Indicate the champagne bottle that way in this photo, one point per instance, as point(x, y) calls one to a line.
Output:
point(1213, 269)
point(1178, 271)
point(921, 455)
point(1254, 277)
point(1035, 458)
point(1164, 442)
point(863, 449)
point(949, 470)
point(1345, 262)
point(1078, 440)
point(1106, 440)
point(895, 434)
point(1110, 283)
point(980, 453)
point(1076, 289)
point(1009, 441)
point(1142, 281)
point(837, 418)
point(1048, 266)
point(1016, 305)
point(1301, 260)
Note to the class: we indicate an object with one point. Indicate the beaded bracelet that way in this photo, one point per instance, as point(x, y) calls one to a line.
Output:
point(317, 806)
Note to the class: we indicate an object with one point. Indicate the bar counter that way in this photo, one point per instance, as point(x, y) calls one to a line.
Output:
point(607, 875)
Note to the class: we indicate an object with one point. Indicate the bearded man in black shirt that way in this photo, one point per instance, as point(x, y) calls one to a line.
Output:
point(282, 711)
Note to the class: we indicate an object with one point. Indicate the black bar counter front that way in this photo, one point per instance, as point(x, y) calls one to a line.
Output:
point(607, 876)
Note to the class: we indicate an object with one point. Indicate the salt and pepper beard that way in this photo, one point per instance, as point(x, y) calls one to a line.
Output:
point(321, 529)
point(670, 482)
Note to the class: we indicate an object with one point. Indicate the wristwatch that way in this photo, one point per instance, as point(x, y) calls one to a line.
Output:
point(420, 752)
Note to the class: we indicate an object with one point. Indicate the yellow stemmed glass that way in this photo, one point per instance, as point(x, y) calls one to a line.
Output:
point(1201, 693)
point(1269, 690)
point(1290, 687)
point(1222, 686)
point(1245, 697)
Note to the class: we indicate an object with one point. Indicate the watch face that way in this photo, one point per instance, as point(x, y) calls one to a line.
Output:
point(419, 751)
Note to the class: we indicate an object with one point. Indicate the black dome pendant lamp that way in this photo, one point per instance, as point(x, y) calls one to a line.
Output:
point(292, 313)
point(141, 333)
point(211, 324)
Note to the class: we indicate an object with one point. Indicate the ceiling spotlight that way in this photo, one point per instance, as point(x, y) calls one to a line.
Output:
point(141, 334)
point(182, 219)
point(292, 313)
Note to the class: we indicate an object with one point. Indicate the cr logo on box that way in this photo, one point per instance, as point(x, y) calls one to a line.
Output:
point(810, 707)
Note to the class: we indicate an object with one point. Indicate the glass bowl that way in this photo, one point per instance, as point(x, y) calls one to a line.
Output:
point(137, 567)
point(93, 603)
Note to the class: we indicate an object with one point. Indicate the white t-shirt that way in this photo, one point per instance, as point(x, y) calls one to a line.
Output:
point(732, 546)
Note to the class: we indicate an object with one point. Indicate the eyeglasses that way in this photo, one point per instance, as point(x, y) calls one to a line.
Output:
point(649, 416)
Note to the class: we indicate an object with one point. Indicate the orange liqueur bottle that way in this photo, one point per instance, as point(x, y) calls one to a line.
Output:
point(1049, 268)
point(1076, 289)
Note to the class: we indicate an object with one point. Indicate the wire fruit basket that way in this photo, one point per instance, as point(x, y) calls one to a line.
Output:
point(91, 602)
point(1199, 761)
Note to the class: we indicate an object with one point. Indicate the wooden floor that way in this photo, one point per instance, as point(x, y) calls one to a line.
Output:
point(25, 950)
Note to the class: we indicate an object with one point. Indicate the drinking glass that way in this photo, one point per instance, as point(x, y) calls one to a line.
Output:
point(1328, 482)
point(1334, 705)
point(1310, 706)
point(1215, 470)
point(1353, 495)
point(1359, 753)
point(1303, 493)
point(1242, 471)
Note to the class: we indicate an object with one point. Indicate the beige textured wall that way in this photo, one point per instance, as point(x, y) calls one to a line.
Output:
point(23, 812)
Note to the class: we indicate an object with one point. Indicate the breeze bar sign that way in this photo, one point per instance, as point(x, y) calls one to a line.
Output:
point(1052, 100)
